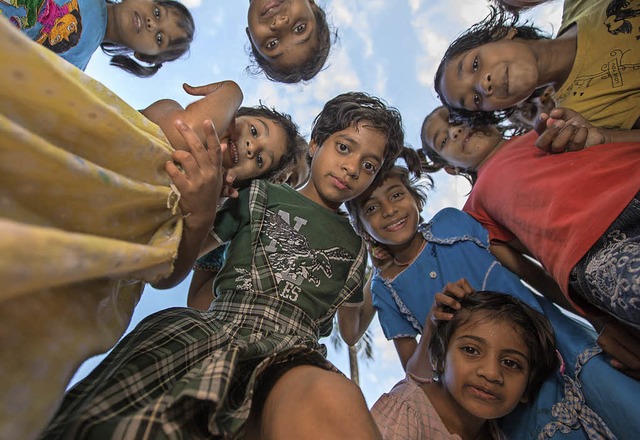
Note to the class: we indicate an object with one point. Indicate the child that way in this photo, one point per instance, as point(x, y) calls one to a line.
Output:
point(94, 202)
point(425, 257)
point(251, 366)
point(517, 183)
point(150, 31)
point(498, 63)
point(489, 352)
point(290, 39)
point(207, 267)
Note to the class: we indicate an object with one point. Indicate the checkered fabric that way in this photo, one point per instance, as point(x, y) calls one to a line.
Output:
point(189, 374)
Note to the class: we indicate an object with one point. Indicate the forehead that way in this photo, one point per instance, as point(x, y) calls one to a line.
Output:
point(437, 121)
point(295, 51)
point(371, 139)
point(498, 332)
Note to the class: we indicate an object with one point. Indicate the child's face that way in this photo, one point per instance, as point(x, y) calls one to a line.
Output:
point(345, 165)
point(492, 76)
point(486, 367)
point(258, 146)
point(459, 145)
point(283, 31)
point(144, 26)
point(390, 214)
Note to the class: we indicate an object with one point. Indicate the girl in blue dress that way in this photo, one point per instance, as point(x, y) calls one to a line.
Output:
point(575, 402)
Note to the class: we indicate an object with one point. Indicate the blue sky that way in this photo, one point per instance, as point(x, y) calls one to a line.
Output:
point(386, 48)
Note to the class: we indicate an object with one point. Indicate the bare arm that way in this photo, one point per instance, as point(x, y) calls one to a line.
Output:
point(201, 288)
point(532, 273)
point(219, 103)
point(353, 321)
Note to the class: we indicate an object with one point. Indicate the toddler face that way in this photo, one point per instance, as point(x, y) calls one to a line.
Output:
point(486, 367)
point(283, 31)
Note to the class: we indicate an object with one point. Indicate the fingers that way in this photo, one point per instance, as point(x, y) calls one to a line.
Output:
point(202, 90)
point(561, 136)
point(623, 348)
point(449, 299)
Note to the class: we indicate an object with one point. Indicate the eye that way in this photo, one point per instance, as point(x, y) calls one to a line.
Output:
point(470, 351)
point(371, 209)
point(300, 28)
point(159, 38)
point(342, 148)
point(397, 196)
point(369, 167)
point(271, 44)
point(474, 64)
point(260, 160)
point(444, 142)
point(512, 364)
point(156, 12)
point(253, 130)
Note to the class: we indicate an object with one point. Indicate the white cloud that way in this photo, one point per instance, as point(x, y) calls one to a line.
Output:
point(192, 3)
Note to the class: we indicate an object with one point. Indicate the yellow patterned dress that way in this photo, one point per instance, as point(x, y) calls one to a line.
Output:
point(86, 211)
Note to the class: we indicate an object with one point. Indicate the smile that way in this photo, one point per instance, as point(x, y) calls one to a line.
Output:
point(137, 22)
point(271, 9)
point(395, 226)
point(233, 152)
point(484, 394)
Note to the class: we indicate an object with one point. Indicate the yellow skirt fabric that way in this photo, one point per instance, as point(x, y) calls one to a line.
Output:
point(86, 217)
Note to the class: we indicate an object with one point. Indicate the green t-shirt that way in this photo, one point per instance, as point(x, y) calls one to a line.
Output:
point(310, 249)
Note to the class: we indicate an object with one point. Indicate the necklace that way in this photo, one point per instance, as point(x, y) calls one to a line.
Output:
point(401, 264)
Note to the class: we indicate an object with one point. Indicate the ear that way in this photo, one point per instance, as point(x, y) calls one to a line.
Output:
point(136, 55)
point(451, 170)
point(511, 33)
point(313, 147)
point(525, 397)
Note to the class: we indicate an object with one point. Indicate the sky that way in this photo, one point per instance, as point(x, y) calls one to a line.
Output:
point(389, 49)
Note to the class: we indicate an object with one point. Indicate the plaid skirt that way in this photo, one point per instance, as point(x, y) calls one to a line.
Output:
point(184, 373)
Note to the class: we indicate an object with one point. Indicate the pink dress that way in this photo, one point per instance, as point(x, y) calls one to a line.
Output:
point(406, 413)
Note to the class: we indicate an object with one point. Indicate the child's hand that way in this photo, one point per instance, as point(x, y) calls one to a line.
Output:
point(564, 129)
point(622, 344)
point(380, 255)
point(449, 299)
point(201, 181)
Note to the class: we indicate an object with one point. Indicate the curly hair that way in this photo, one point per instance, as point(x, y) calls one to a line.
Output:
point(351, 109)
point(493, 27)
point(310, 67)
point(534, 328)
point(125, 58)
point(295, 146)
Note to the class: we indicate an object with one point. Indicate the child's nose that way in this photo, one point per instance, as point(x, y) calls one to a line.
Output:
point(150, 24)
point(351, 169)
point(490, 370)
point(279, 21)
point(486, 86)
point(454, 131)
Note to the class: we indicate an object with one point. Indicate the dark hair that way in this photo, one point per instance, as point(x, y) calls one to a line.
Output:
point(124, 57)
point(494, 27)
point(306, 70)
point(352, 108)
point(431, 161)
point(416, 183)
point(64, 45)
point(532, 326)
point(293, 148)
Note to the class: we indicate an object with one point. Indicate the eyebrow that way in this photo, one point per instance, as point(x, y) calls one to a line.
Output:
point(482, 340)
point(266, 151)
point(433, 141)
point(264, 126)
point(459, 71)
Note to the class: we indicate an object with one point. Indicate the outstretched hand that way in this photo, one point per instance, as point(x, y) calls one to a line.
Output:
point(564, 129)
point(621, 343)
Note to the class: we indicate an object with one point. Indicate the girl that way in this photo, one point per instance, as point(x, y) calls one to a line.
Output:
point(498, 63)
point(425, 257)
point(290, 39)
point(150, 31)
point(251, 366)
point(516, 182)
point(489, 353)
point(92, 198)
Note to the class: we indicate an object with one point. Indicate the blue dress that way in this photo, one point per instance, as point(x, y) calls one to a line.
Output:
point(73, 29)
point(587, 399)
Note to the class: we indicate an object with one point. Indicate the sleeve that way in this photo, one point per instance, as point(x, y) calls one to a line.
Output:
point(357, 298)
point(396, 418)
point(393, 323)
point(475, 208)
point(231, 217)
point(212, 261)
